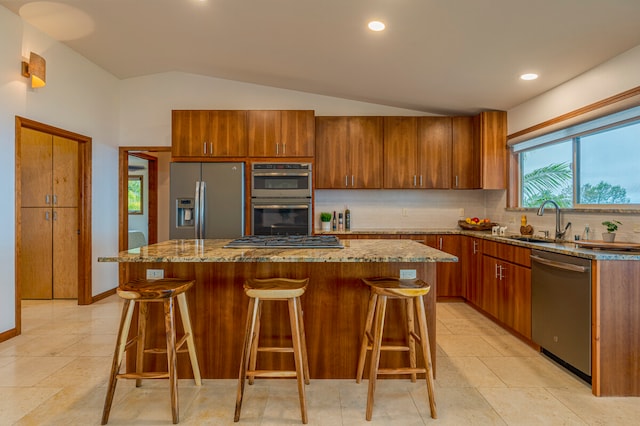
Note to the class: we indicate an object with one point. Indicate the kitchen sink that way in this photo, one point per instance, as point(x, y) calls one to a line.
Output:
point(530, 239)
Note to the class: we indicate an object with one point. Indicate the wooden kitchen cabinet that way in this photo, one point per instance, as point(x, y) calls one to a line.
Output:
point(490, 129)
point(348, 152)
point(471, 267)
point(449, 273)
point(417, 152)
point(208, 133)
point(465, 155)
point(280, 133)
point(505, 289)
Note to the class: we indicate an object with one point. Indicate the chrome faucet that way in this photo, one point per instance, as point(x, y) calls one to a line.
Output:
point(559, 232)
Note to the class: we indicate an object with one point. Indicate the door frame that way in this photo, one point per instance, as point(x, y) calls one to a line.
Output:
point(84, 206)
point(123, 179)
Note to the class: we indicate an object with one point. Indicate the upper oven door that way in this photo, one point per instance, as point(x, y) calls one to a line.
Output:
point(280, 216)
point(294, 181)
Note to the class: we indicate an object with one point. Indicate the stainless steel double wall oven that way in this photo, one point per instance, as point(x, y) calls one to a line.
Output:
point(281, 198)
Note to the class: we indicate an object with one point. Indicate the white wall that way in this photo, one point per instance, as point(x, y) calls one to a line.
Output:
point(79, 97)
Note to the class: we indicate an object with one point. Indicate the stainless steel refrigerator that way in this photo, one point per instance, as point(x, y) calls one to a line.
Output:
point(207, 200)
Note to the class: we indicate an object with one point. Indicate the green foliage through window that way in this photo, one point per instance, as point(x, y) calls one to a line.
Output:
point(135, 194)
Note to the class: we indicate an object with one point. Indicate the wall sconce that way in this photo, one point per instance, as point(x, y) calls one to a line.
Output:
point(36, 68)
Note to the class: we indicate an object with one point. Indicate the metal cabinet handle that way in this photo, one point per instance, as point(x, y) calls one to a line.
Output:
point(46, 215)
point(475, 247)
point(559, 265)
point(204, 148)
point(55, 199)
point(284, 149)
point(210, 148)
point(440, 243)
point(352, 181)
point(414, 180)
point(421, 185)
point(277, 149)
point(55, 215)
point(346, 181)
point(47, 199)
point(456, 181)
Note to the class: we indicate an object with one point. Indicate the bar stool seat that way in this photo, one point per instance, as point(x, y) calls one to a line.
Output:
point(274, 289)
point(410, 292)
point(142, 292)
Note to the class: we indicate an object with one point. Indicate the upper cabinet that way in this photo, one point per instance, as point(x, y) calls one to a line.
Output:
point(417, 152)
point(275, 133)
point(465, 154)
point(209, 133)
point(348, 152)
point(491, 128)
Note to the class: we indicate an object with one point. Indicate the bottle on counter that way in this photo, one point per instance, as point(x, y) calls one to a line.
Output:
point(347, 219)
point(585, 234)
point(334, 221)
point(340, 222)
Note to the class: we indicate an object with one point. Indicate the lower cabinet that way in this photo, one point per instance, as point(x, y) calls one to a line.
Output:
point(504, 292)
point(471, 267)
point(449, 273)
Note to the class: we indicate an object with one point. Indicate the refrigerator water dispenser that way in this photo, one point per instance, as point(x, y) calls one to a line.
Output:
point(185, 214)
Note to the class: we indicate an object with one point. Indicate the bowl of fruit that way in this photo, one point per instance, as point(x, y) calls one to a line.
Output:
point(476, 224)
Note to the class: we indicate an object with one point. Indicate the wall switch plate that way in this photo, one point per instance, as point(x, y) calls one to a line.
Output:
point(405, 212)
point(155, 274)
point(407, 274)
point(636, 228)
point(461, 213)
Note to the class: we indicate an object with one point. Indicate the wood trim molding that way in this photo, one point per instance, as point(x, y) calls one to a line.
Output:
point(578, 112)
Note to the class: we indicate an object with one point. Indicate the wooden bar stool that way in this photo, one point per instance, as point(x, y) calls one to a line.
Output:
point(410, 292)
point(282, 289)
point(143, 292)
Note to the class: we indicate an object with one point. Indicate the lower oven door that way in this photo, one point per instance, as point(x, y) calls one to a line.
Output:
point(281, 216)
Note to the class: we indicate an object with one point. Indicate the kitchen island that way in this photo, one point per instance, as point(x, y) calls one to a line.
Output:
point(334, 304)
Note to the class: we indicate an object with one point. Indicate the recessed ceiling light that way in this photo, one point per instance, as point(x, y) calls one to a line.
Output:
point(376, 26)
point(529, 76)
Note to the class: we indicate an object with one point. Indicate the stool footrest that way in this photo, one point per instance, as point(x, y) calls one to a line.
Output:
point(391, 348)
point(401, 370)
point(271, 373)
point(161, 351)
point(274, 349)
point(146, 375)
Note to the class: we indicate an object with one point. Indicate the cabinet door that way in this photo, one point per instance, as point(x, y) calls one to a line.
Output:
point(37, 248)
point(297, 133)
point(66, 173)
point(35, 169)
point(492, 134)
point(65, 253)
point(400, 147)
point(449, 280)
point(465, 155)
point(189, 133)
point(331, 152)
point(365, 152)
point(227, 133)
point(489, 289)
point(263, 133)
point(515, 311)
point(434, 152)
point(471, 267)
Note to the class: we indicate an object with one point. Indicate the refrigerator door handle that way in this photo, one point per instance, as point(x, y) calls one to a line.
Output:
point(203, 204)
point(196, 215)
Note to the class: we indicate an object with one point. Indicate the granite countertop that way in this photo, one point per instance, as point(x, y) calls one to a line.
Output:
point(213, 251)
point(567, 247)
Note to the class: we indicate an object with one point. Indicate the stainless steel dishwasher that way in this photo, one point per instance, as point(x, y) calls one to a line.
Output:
point(561, 309)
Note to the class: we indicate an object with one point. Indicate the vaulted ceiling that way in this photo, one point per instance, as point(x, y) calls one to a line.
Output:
point(436, 56)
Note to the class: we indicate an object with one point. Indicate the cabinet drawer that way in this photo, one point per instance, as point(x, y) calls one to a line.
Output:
point(507, 252)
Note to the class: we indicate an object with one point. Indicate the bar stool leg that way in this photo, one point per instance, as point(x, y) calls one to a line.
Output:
point(381, 307)
point(141, 338)
point(426, 352)
point(186, 323)
point(244, 359)
point(255, 339)
point(411, 333)
point(367, 338)
point(170, 328)
point(123, 333)
point(303, 341)
point(297, 354)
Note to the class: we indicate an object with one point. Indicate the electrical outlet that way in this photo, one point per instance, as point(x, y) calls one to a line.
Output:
point(155, 274)
point(636, 228)
point(405, 212)
point(407, 274)
point(461, 213)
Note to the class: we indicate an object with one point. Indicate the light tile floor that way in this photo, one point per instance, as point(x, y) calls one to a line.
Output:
point(55, 373)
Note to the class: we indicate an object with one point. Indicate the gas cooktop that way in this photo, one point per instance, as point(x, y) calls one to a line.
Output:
point(286, 241)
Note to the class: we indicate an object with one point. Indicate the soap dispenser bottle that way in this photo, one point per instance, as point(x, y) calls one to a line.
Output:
point(585, 234)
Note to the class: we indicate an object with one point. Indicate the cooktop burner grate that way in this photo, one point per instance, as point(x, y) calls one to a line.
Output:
point(286, 241)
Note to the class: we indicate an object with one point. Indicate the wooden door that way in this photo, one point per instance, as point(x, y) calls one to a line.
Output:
point(449, 279)
point(465, 155)
point(263, 133)
point(515, 311)
point(65, 172)
point(365, 152)
point(36, 253)
point(65, 253)
point(434, 152)
point(470, 267)
point(227, 133)
point(331, 155)
point(189, 133)
point(492, 134)
point(297, 132)
point(35, 168)
point(400, 147)
point(489, 289)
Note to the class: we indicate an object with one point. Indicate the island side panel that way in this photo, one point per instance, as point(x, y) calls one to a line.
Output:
point(334, 307)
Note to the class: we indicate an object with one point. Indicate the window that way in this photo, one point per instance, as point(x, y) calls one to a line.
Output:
point(135, 194)
point(590, 165)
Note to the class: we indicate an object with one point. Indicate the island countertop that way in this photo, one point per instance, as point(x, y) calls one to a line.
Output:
point(212, 250)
